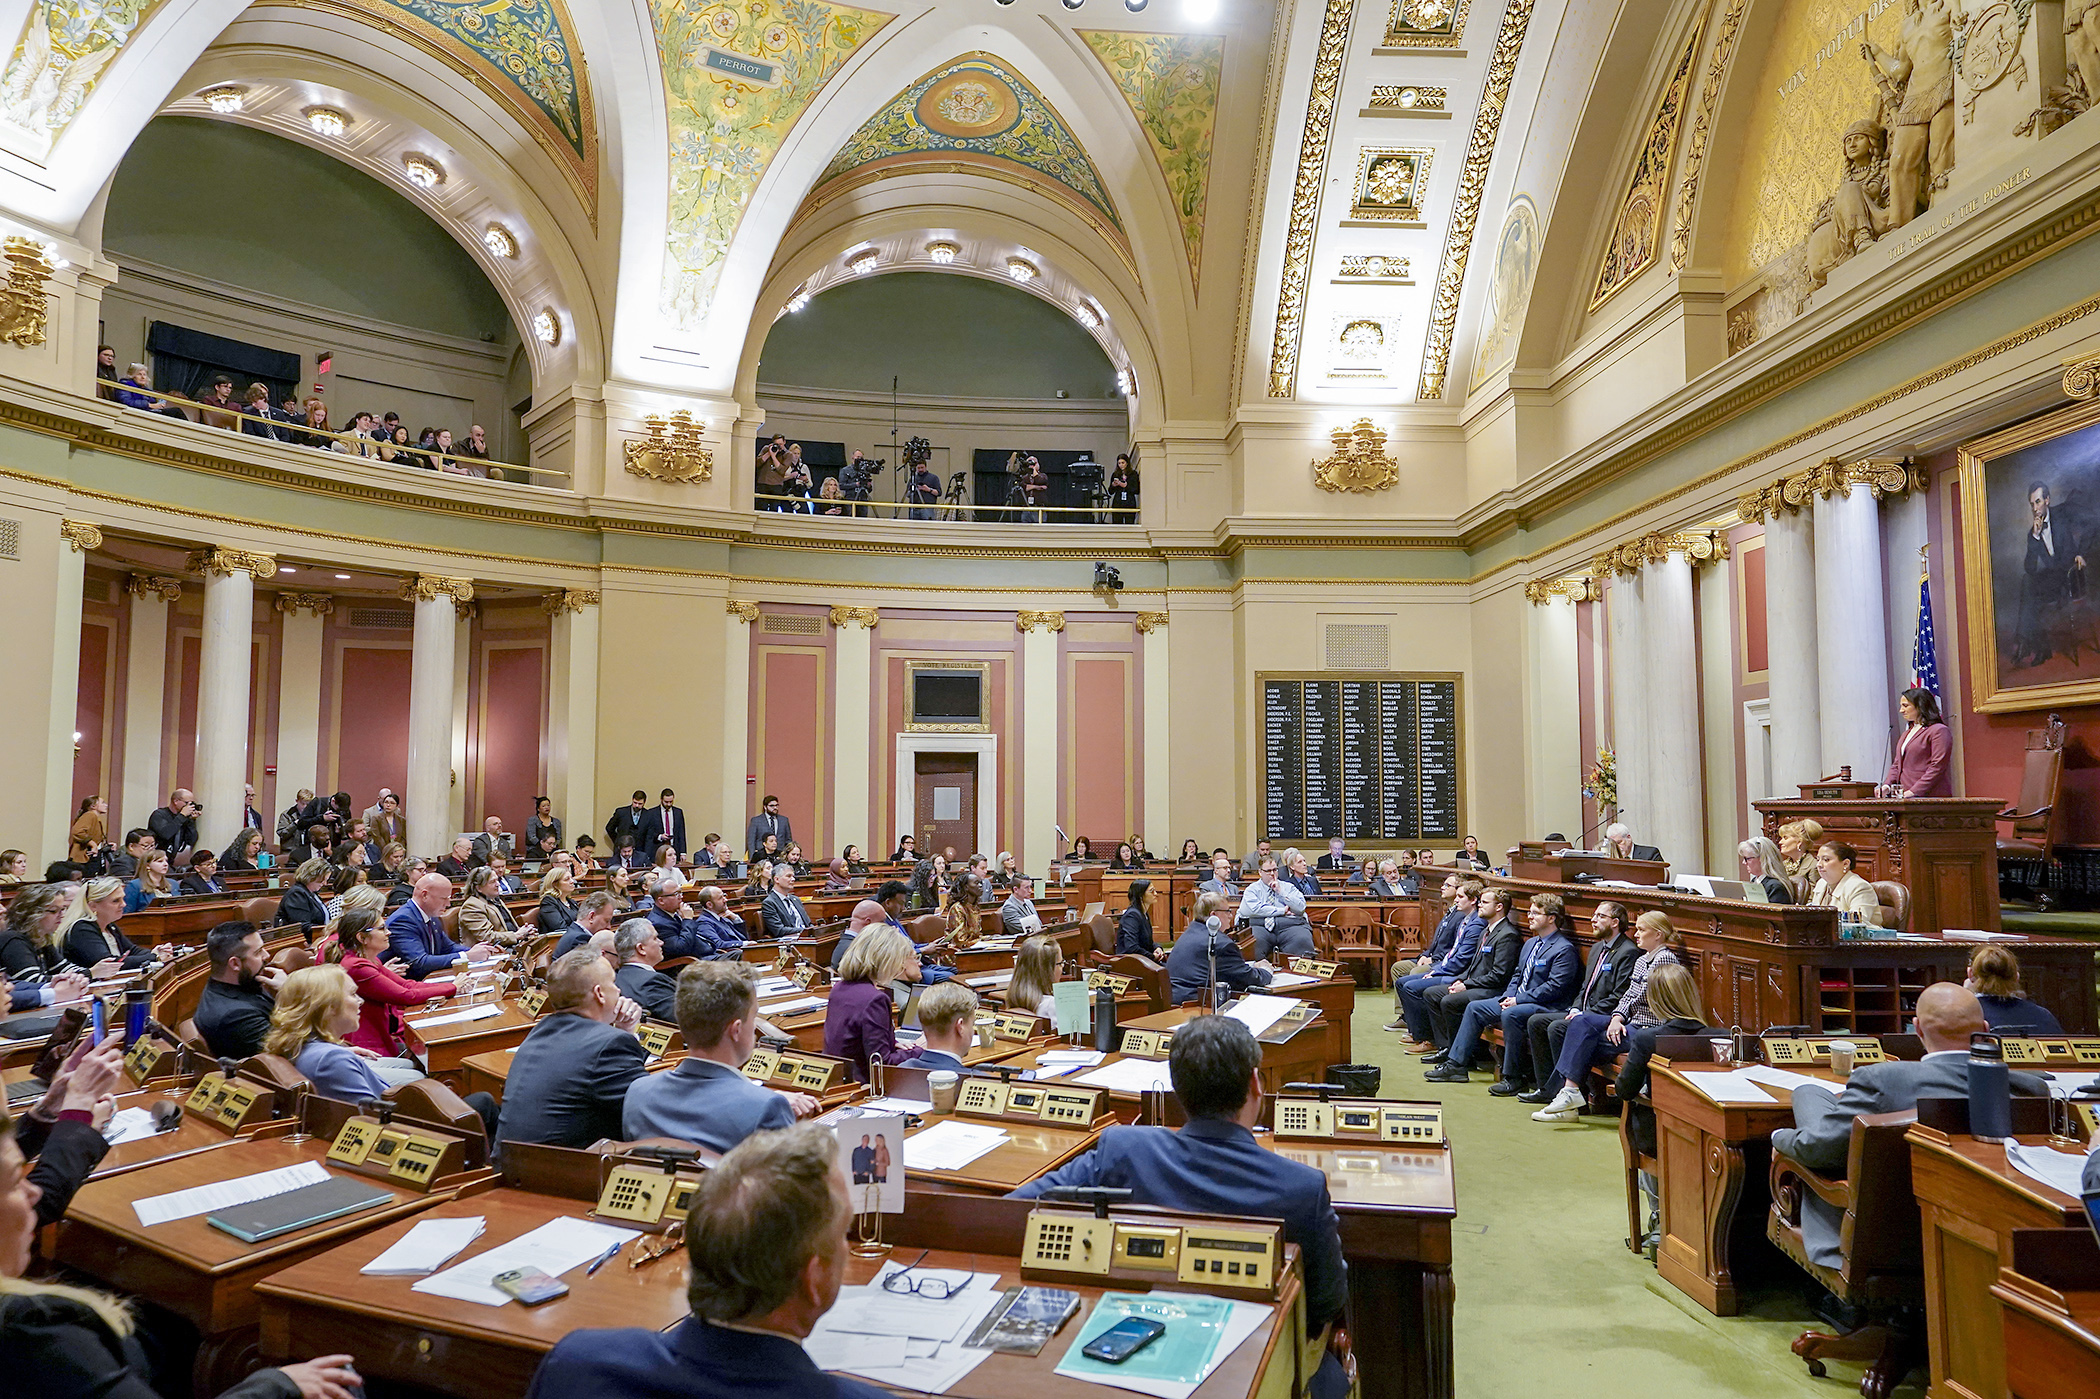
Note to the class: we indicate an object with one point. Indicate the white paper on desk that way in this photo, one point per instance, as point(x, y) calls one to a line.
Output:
point(2063, 1085)
point(917, 1106)
point(1733, 1087)
point(1291, 979)
point(775, 986)
point(996, 979)
point(869, 1310)
point(930, 1374)
point(1258, 1012)
point(1980, 935)
point(951, 1145)
point(1083, 1058)
point(554, 1248)
point(835, 1350)
point(1129, 1076)
point(427, 1247)
point(1785, 1082)
point(1245, 1320)
point(128, 1125)
point(2056, 1169)
point(457, 1016)
point(225, 1194)
point(790, 1007)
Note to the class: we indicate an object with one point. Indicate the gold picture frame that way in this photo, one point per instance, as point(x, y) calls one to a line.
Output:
point(2021, 621)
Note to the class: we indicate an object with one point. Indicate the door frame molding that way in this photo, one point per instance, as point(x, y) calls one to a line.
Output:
point(984, 747)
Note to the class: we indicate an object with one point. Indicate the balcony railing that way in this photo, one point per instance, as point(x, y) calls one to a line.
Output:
point(944, 511)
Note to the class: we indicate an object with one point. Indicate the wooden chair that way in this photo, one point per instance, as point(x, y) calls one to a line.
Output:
point(2027, 853)
point(537, 953)
point(1675, 1049)
point(1150, 976)
point(1358, 941)
point(1882, 1265)
point(1101, 931)
point(1895, 904)
point(261, 911)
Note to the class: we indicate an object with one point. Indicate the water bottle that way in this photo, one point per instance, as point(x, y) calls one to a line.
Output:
point(1990, 1090)
point(1104, 1019)
point(137, 1006)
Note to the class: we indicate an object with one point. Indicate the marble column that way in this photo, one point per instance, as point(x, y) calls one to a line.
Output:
point(457, 818)
point(572, 747)
point(1852, 632)
point(40, 634)
point(738, 802)
point(299, 698)
point(1629, 703)
point(1035, 844)
point(224, 669)
point(1675, 818)
point(430, 686)
point(854, 657)
point(1155, 757)
point(1790, 649)
point(145, 691)
point(1554, 761)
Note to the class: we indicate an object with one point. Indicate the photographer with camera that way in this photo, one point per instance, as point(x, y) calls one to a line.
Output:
point(772, 470)
point(174, 826)
point(923, 489)
point(1033, 484)
point(857, 480)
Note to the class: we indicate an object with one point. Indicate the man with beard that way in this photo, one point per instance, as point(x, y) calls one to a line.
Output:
point(233, 1013)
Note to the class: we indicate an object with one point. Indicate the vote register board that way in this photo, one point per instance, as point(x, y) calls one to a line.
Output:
point(1361, 756)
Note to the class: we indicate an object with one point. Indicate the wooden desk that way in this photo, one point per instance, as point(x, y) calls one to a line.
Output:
point(1336, 999)
point(1303, 1058)
point(2049, 1303)
point(1945, 849)
point(182, 921)
point(1561, 867)
point(1028, 1151)
point(1971, 1201)
point(449, 1045)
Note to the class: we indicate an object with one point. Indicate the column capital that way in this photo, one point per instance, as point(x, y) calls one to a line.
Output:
point(1148, 622)
point(429, 587)
point(227, 562)
point(319, 604)
point(568, 600)
point(1540, 591)
point(855, 617)
point(80, 534)
point(153, 585)
point(1028, 621)
point(1885, 476)
point(742, 611)
point(1697, 545)
point(2082, 377)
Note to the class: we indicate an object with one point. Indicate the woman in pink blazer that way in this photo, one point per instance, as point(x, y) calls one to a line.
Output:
point(1920, 767)
point(360, 943)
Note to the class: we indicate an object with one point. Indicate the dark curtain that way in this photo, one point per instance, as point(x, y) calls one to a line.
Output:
point(992, 481)
point(186, 361)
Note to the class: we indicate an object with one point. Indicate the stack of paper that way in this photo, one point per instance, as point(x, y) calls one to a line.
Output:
point(457, 1016)
point(790, 1007)
point(128, 1125)
point(1785, 1082)
point(554, 1248)
point(903, 1340)
point(225, 1194)
point(429, 1246)
point(951, 1145)
point(1068, 1058)
point(1259, 1012)
point(775, 986)
point(1291, 979)
point(1980, 935)
point(2061, 1170)
point(1129, 1076)
point(1732, 1087)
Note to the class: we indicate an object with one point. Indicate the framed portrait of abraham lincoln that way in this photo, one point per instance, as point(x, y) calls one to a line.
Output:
point(2030, 498)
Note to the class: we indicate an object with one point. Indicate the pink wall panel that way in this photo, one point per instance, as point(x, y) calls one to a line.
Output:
point(92, 712)
point(1752, 578)
point(1102, 802)
point(179, 744)
point(511, 729)
point(793, 744)
point(371, 740)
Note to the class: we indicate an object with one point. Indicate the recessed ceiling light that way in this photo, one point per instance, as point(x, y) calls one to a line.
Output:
point(1073, 4)
point(497, 239)
point(864, 262)
point(1021, 269)
point(942, 251)
point(1088, 316)
point(286, 568)
point(423, 171)
point(547, 326)
point(1134, 6)
point(342, 578)
point(327, 121)
point(224, 100)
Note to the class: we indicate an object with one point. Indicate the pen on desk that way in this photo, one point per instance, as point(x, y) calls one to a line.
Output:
point(604, 1258)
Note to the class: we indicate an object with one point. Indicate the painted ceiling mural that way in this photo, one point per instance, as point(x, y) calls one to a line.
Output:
point(974, 112)
point(1171, 83)
point(737, 77)
point(522, 52)
point(64, 48)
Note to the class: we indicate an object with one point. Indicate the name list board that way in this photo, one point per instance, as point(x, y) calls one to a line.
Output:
point(1363, 758)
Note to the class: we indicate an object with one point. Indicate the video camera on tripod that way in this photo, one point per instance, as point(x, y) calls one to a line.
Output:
point(857, 477)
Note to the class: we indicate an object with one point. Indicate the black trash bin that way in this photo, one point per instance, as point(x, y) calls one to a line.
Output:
point(1361, 1080)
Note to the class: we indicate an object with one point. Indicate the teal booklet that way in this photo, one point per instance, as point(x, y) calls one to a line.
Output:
point(1183, 1355)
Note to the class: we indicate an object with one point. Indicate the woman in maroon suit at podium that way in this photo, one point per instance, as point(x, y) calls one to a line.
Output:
point(1920, 765)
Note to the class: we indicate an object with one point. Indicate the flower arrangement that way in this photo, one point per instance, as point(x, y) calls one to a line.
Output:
point(1601, 783)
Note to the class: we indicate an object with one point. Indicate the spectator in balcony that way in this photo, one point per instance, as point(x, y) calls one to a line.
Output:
point(450, 461)
point(387, 423)
point(794, 484)
point(395, 447)
point(476, 446)
point(1123, 491)
point(216, 398)
point(1035, 489)
point(360, 443)
point(924, 492)
point(829, 501)
point(772, 470)
point(260, 421)
point(318, 433)
point(106, 373)
point(137, 376)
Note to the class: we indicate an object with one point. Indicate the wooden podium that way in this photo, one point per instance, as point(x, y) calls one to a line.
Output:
point(1555, 863)
point(1944, 849)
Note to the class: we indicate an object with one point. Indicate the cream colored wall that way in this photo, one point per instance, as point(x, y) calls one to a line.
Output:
point(40, 635)
point(660, 658)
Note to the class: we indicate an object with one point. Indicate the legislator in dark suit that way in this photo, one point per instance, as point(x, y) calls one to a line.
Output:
point(659, 826)
point(568, 1080)
point(650, 989)
point(1821, 1137)
point(762, 825)
point(624, 826)
point(693, 1360)
point(302, 905)
point(702, 1102)
point(784, 915)
point(1134, 934)
point(1492, 964)
point(1188, 965)
point(1604, 978)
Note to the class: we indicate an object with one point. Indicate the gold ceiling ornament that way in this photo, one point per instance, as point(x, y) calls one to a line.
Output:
point(1390, 182)
point(568, 600)
point(1465, 211)
point(1359, 462)
point(1408, 97)
point(1305, 196)
point(672, 451)
point(2082, 377)
point(317, 604)
point(1049, 621)
point(227, 562)
point(855, 617)
point(1426, 24)
point(24, 311)
point(153, 585)
point(1149, 622)
point(429, 587)
point(80, 534)
point(1631, 249)
point(742, 611)
point(1540, 591)
point(1701, 133)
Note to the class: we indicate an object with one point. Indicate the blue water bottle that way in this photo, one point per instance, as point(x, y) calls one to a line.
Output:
point(1990, 1090)
point(138, 1005)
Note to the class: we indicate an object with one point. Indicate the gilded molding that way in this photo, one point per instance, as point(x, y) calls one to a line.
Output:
point(80, 534)
point(855, 617)
point(1631, 249)
point(24, 309)
point(568, 600)
point(2082, 377)
point(1540, 591)
point(464, 610)
point(1305, 196)
point(1359, 462)
point(429, 587)
point(1149, 622)
point(153, 585)
point(1885, 476)
point(227, 562)
point(318, 604)
point(742, 611)
point(1050, 621)
point(1698, 546)
point(1465, 212)
point(672, 451)
point(1701, 133)
point(1426, 24)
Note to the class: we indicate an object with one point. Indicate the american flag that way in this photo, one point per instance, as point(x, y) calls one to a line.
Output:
point(1924, 669)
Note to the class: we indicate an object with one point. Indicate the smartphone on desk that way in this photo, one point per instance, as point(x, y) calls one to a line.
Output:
point(1123, 1340)
point(529, 1285)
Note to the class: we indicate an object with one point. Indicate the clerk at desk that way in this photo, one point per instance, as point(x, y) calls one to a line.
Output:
point(1213, 1165)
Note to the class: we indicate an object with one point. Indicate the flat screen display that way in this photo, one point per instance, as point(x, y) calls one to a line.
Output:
point(947, 697)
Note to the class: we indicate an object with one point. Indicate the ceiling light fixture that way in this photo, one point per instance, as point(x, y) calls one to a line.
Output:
point(547, 326)
point(1126, 385)
point(497, 239)
point(1021, 269)
point(224, 100)
point(423, 171)
point(286, 568)
point(942, 251)
point(1134, 6)
point(326, 121)
point(799, 300)
point(1088, 316)
point(1073, 4)
point(864, 262)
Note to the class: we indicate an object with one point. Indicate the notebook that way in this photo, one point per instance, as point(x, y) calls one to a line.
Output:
point(296, 1209)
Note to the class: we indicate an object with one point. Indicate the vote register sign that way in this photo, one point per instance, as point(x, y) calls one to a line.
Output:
point(1361, 755)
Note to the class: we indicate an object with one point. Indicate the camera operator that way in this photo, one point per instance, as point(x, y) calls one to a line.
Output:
point(772, 470)
point(857, 480)
point(1123, 491)
point(1034, 485)
point(174, 826)
point(924, 488)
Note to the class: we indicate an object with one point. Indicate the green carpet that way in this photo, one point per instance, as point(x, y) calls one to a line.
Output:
point(1550, 1301)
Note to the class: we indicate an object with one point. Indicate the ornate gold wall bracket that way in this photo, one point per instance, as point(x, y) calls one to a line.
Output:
point(1359, 462)
point(227, 562)
point(672, 451)
point(1048, 621)
point(743, 611)
point(1148, 622)
point(153, 585)
point(25, 311)
point(2082, 377)
point(855, 617)
point(1697, 545)
point(318, 604)
point(80, 534)
point(429, 587)
point(568, 600)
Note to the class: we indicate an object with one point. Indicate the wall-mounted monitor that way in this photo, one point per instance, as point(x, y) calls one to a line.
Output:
point(947, 696)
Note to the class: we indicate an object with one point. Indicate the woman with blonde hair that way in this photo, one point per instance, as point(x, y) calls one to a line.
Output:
point(1763, 866)
point(357, 944)
point(857, 1022)
point(1797, 851)
point(557, 898)
point(1035, 972)
point(92, 935)
point(366, 896)
point(1994, 975)
point(317, 1008)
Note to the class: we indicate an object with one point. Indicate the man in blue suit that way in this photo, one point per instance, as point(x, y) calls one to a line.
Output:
point(683, 936)
point(707, 1100)
point(1548, 971)
point(1189, 964)
point(727, 933)
point(1414, 1009)
point(767, 1244)
point(948, 1020)
point(415, 933)
point(1213, 1165)
point(1439, 947)
point(569, 1079)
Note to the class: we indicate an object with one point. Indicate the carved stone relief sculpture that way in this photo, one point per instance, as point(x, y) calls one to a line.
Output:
point(1859, 211)
point(1916, 78)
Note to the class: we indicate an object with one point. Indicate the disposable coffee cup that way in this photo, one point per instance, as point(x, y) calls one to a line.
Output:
point(1841, 1053)
point(943, 1086)
point(1724, 1049)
